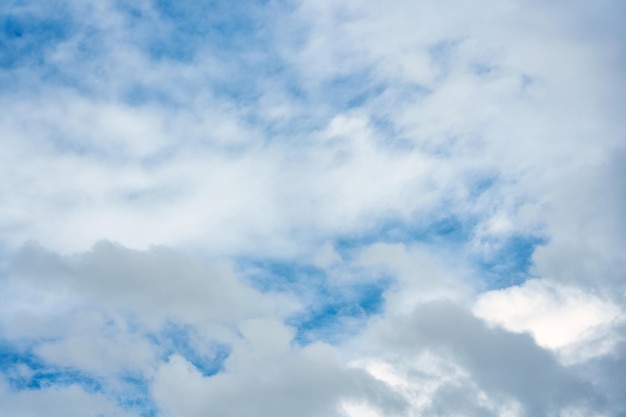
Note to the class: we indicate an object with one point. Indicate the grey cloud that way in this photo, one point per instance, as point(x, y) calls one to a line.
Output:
point(70, 401)
point(457, 400)
point(499, 362)
point(607, 374)
point(281, 381)
point(587, 227)
point(158, 283)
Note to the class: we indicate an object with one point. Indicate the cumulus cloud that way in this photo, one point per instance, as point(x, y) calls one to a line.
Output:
point(273, 377)
point(559, 317)
point(159, 283)
point(489, 369)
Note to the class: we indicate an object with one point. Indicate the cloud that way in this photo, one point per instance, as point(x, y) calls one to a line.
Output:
point(102, 317)
point(422, 274)
point(68, 401)
point(156, 285)
point(274, 377)
point(498, 366)
point(559, 317)
point(353, 208)
point(606, 372)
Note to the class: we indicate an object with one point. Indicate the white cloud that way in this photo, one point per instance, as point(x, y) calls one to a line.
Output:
point(422, 274)
point(567, 319)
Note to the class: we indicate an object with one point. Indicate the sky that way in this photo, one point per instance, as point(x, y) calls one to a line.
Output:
point(312, 208)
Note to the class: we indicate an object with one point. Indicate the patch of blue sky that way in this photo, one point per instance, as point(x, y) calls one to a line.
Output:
point(26, 37)
point(444, 226)
point(14, 358)
point(133, 393)
point(446, 230)
point(27, 43)
point(247, 64)
point(335, 309)
point(39, 374)
point(276, 275)
point(240, 80)
point(23, 370)
point(339, 315)
point(178, 339)
point(507, 262)
point(510, 262)
point(352, 90)
point(216, 24)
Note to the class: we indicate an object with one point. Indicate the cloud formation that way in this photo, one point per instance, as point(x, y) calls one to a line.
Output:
point(312, 207)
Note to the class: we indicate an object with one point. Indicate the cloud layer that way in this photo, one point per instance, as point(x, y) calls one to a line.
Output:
point(312, 208)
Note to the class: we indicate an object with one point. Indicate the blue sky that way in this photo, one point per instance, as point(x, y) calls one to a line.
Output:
point(314, 208)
